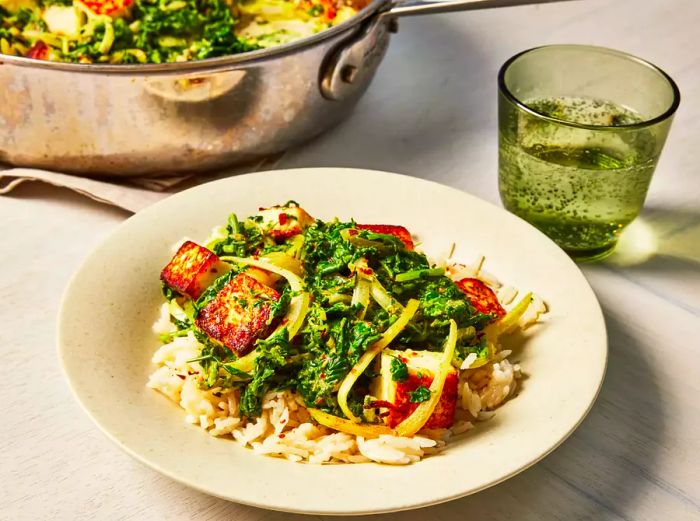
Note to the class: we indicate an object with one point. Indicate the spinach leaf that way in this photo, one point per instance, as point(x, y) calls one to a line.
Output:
point(279, 307)
point(398, 369)
point(421, 394)
point(271, 356)
point(210, 293)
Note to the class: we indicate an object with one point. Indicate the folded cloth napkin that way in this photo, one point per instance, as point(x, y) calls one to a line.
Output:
point(129, 193)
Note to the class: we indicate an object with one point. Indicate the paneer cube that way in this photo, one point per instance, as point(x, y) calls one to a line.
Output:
point(63, 20)
point(238, 315)
point(390, 229)
point(422, 366)
point(481, 297)
point(192, 270)
point(283, 222)
point(113, 8)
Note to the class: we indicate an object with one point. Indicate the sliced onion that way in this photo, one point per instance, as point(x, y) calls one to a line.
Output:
point(509, 321)
point(334, 298)
point(386, 301)
point(422, 413)
point(295, 282)
point(296, 244)
point(347, 426)
point(390, 334)
point(298, 308)
point(360, 295)
point(245, 363)
point(284, 261)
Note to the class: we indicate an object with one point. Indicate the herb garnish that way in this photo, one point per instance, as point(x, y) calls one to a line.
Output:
point(421, 394)
point(398, 369)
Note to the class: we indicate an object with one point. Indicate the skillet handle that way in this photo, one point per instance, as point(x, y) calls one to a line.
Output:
point(418, 7)
point(349, 68)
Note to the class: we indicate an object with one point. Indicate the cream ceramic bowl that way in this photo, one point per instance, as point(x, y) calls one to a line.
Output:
point(105, 343)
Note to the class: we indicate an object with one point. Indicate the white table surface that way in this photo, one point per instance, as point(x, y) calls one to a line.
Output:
point(430, 113)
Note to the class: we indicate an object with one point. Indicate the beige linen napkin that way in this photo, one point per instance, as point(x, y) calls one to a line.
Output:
point(129, 193)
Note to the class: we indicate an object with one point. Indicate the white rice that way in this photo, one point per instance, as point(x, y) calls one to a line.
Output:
point(468, 361)
point(163, 325)
point(506, 295)
point(285, 429)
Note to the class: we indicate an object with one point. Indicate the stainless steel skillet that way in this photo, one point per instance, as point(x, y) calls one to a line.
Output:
point(158, 119)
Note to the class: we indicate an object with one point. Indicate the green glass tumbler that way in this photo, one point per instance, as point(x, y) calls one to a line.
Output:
point(581, 129)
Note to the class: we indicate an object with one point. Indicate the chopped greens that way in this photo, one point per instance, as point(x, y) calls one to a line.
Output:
point(417, 274)
point(153, 31)
point(271, 364)
point(399, 370)
point(421, 394)
point(339, 324)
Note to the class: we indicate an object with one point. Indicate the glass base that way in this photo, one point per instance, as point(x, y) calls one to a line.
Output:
point(591, 254)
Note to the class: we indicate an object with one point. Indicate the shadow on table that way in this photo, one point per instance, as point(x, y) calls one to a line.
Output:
point(660, 251)
point(602, 470)
point(661, 239)
point(423, 98)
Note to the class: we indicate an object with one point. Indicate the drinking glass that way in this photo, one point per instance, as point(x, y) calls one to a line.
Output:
point(581, 129)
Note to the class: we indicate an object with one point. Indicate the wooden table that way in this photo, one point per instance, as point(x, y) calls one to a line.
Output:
point(431, 112)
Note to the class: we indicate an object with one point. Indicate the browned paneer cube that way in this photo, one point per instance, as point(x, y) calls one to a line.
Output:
point(389, 229)
point(283, 222)
point(422, 366)
point(238, 315)
point(192, 270)
point(113, 8)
